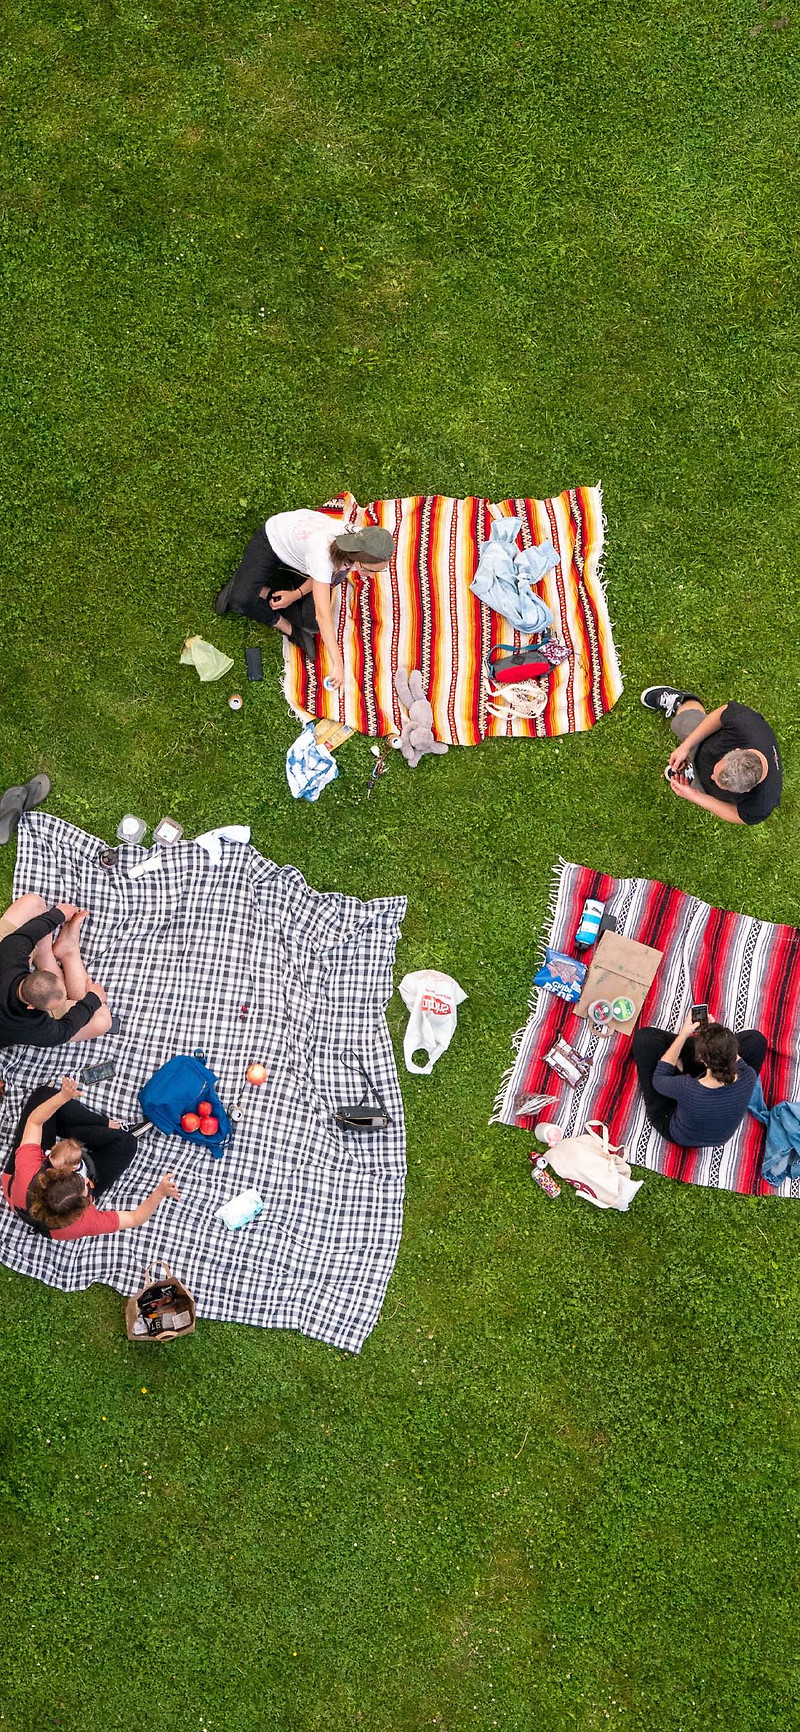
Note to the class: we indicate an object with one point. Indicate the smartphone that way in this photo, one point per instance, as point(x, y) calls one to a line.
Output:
point(255, 662)
point(95, 1073)
point(700, 1013)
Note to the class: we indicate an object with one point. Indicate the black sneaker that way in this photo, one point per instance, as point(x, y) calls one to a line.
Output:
point(665, 700)
point(223, 601)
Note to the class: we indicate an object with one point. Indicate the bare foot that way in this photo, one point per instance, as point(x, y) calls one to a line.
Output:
point(69, 937)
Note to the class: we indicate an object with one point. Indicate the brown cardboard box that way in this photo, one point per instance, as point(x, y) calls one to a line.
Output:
point(620, 968)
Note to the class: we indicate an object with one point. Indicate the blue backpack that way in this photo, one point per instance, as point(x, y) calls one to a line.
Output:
point(175, 1089)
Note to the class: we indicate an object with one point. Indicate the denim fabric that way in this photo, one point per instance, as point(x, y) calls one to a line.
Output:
point(505, 574)
point(782, 1153)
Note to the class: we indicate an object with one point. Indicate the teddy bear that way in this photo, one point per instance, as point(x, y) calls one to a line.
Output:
point(416, 738)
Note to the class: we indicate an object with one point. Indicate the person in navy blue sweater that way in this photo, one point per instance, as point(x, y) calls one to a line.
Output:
point(696, 1084)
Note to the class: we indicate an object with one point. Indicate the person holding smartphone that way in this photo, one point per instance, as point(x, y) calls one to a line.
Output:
point(697, 1083)
point(289, 570)
point(727, 761)
point(64, 1155)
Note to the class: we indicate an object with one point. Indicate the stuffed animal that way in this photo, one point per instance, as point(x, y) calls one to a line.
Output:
point(417, 736)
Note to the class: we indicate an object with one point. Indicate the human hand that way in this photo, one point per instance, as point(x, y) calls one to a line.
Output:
point(688, 1027)
point(336, 675)
point(70, 1088)
point(167, 1187)
point(282, 598)
point(679, 785)
point(679, 757)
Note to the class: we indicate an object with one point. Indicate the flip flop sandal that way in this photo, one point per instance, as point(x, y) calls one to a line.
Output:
point(36, 790)
point(12, 807)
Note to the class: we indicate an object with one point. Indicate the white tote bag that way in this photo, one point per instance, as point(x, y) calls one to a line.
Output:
point(596, 1167)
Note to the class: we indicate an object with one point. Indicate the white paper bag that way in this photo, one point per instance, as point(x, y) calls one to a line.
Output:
point(432, 998)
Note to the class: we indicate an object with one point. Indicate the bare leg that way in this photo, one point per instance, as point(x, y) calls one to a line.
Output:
point(282, 625)
point(25, 908)
point(44, 957)
point(67, 955)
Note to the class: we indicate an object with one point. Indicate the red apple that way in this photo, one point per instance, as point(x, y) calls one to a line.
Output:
point(205, 1109)
point(190, 1122)
point(256, 1073)
point(209, 1126)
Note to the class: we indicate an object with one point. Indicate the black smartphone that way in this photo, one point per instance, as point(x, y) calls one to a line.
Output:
point(255, 663)
point(95, 1073)
point(700, 1013)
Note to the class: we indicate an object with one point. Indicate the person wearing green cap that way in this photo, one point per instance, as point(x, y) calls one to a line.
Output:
point(290, 567)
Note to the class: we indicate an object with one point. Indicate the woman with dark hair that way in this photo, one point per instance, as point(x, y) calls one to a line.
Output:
point(289, 568)
point(51, 1178)
point(697, 1083)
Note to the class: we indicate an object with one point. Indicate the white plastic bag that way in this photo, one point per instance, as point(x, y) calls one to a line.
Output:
point(432, 998)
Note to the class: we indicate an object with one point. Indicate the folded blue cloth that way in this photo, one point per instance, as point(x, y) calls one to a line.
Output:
point(309, 766)
point(782, 1152)
point(505, 574)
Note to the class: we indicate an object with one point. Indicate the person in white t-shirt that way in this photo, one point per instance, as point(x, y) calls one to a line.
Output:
point(290, 567)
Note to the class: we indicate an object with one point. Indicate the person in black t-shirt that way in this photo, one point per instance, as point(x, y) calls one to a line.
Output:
point(57, 1001)
point(727, 762)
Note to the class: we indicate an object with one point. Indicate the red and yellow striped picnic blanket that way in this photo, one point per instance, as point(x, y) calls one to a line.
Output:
point(421, 613)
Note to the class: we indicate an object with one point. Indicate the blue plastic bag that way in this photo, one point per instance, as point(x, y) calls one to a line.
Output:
point(175, 1089)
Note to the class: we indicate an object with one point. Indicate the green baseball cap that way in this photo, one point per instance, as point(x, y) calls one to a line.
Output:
point(371, 542)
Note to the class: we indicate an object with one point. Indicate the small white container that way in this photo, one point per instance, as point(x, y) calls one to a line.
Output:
point(130, 829)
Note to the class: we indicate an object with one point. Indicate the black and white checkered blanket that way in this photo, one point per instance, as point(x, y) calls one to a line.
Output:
point(179, 952)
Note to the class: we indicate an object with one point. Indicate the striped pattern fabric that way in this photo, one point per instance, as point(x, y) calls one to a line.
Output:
point(748, 972)
point(421, 613)
point(244, 960)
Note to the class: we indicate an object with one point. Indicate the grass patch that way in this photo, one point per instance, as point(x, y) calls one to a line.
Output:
point(253, 253)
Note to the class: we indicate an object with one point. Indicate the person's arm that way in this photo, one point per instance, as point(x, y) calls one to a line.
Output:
point(280, 599)
point(720, 808)
point(322, 608)
point(17, 946)
point(673, 1052)
point(709, 725)
point(35, 1122)
point(166, 1187)
point(62, 1028)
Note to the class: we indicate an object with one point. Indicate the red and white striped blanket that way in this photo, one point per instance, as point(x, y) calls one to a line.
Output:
point(747, 970)
point(421, 613)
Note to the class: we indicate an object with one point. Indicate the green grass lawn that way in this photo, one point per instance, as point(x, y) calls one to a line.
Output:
point(253, 253)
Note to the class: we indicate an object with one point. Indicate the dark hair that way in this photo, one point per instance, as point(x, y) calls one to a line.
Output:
point(42, 989)
point(718, 1050)
point(57, 1199)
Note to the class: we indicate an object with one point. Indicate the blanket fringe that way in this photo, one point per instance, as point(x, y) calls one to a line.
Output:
point(600, 574)
point(556, 875)
point(293, 709)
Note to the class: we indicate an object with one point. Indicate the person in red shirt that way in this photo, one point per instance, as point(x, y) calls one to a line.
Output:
point(55, 1193)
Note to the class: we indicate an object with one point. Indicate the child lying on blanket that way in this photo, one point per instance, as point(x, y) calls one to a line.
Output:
point(55, 1192)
